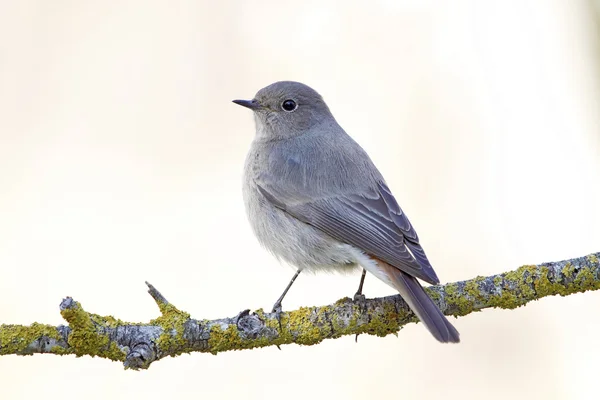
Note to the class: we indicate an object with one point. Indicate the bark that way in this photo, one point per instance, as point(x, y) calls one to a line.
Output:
point(137, 345)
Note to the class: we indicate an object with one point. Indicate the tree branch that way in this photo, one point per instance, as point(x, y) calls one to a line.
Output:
point(137, 345)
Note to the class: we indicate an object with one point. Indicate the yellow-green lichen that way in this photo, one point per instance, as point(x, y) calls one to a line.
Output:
point(348, 324)
point(586, 280)
point(108, 321)
point(456, 301)
point(498, 280)
point(307, 325)
point(544, 287)
point(472, 289)
point(230, 339)
point(434, 294)
point(343, 301)
point(85, 337)
point(172, 322)
point(515, 288)
point(568, 270)
point(386, 322)
point(15, 339)
point(223, 340)
point(518, 287)
point(506, 300)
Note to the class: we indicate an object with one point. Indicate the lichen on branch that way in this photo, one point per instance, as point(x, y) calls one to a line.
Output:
point(174, 332)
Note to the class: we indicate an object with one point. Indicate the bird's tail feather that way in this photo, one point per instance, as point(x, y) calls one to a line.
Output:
point(413, 293)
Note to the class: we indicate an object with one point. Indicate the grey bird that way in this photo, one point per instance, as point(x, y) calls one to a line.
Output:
point(315, 199)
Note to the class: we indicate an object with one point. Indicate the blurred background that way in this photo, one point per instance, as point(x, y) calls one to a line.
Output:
point(121, 158)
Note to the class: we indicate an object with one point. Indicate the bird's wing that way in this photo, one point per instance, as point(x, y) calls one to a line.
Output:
point(370, 220)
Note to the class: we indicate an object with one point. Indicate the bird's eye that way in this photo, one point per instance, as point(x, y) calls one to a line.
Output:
point(289, 105)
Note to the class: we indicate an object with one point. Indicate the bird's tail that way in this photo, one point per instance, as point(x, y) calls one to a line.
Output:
point(413, 293)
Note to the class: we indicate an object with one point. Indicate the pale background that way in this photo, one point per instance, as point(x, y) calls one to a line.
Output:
point(121, 157)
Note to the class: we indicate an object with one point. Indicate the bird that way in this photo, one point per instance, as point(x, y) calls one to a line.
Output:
point(315, 199)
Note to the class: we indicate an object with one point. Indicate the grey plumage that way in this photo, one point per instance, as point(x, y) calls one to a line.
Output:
point(315, 199)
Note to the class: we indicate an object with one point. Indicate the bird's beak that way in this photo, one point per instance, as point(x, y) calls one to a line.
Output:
point(251, 104)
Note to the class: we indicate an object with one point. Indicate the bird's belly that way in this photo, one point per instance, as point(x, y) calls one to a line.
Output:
point(294, 241)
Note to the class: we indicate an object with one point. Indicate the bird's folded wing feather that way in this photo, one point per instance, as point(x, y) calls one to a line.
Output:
point(371, 221)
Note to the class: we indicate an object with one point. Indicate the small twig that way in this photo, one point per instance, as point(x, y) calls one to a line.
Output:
point(156, 295)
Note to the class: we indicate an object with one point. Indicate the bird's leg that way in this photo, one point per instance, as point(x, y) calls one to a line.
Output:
point(359, 296)
point(277, 305)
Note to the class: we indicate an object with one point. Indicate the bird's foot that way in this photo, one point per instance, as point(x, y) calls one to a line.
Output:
point(277, 307)
point(277, 311)
point(359, 298)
